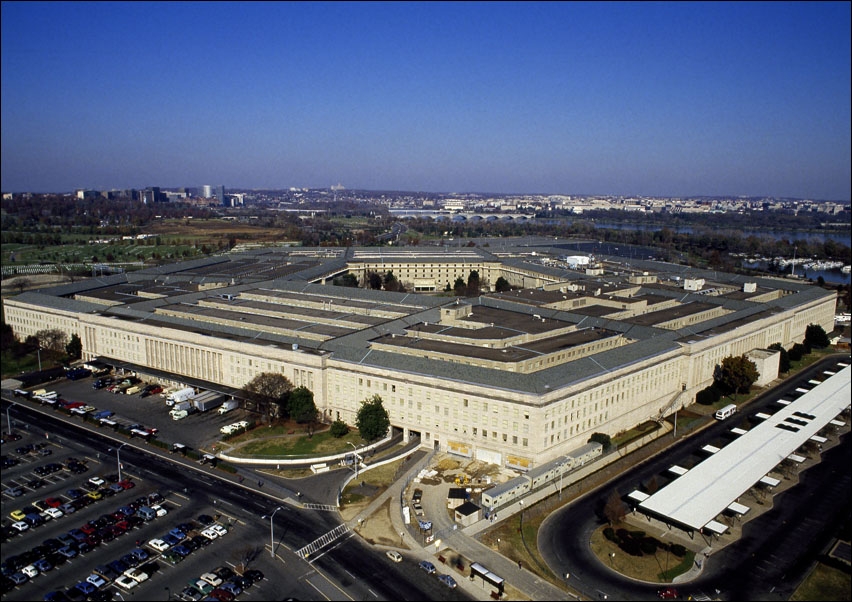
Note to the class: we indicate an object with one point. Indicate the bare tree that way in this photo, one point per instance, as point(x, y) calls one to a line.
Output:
point(22, 284)
point(245, 555)
point(615, 509)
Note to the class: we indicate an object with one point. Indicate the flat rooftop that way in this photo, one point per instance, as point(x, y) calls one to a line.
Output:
point(702, 493)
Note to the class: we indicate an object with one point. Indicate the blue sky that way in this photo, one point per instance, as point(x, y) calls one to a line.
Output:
point(641, 98)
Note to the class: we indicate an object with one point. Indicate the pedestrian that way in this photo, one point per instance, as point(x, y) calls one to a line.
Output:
point(520, 565)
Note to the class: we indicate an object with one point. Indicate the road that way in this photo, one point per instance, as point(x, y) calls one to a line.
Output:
point(771, 558)
point(345, 568)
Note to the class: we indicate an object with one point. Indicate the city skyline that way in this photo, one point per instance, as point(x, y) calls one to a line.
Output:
point(654, 99)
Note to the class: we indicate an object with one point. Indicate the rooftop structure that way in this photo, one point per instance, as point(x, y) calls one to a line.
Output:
point(516, 378)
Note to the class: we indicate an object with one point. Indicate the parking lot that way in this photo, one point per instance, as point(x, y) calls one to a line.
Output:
point(200, 430)
point(91, 535)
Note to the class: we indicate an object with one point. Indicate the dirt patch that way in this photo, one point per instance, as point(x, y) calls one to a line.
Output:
point(376, 529)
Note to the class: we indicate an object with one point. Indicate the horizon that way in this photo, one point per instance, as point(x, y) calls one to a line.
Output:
point(681, 100)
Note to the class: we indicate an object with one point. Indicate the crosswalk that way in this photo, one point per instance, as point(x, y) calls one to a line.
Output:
point(323, 541)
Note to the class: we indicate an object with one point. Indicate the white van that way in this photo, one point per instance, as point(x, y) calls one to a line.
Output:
point(726, 412)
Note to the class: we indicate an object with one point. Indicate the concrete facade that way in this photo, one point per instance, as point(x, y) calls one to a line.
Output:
point(517, 379)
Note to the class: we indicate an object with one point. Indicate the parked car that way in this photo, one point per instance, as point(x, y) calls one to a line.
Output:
point(125, 582)
point(159, 545)
point(428, 567)
point(255, 575)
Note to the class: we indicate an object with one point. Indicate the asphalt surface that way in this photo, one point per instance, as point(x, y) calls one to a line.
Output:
point(767, 564)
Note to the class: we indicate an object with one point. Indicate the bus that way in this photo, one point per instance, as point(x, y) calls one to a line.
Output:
point(726, 412)
point(485, 578)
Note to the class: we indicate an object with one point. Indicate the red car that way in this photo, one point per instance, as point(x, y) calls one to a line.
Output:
point(88, 528)
point(127, 484)
point(222, 595)
point(668, 593)
point(53, 502)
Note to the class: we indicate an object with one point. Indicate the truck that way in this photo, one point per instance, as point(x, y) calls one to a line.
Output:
point(133, 390)
point(180, 395)
point(181, 406)
point(229, 405)
point(727, 411)
point(208, 400)
point(77, 373)
point(178, 414)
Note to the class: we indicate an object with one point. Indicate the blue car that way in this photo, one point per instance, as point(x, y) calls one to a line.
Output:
point(171, 539)
point(182, 550)
point(230, 586)
point(140, 554)
point(86, 588)
point(180, 535)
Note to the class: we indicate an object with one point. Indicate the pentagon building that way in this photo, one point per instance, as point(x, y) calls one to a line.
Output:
point(515, 378)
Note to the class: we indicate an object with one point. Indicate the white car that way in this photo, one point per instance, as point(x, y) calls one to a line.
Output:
point(20, 526)
point(212, 579)
point(97, 481)
point(125, 582)
point(242, 424)
point(394, 555)
point(52, 513)
point(159, 545)
point(136, 574)
point(210, 534)
point(219, 529)
point(96, 580)
point(159, 510)
point(227, 429)
point(30, 571)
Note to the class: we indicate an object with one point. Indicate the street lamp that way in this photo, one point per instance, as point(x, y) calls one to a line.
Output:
point(118, 458)
point(357, 458)
point(8, 418)
point(271, 531)
point(561, 472)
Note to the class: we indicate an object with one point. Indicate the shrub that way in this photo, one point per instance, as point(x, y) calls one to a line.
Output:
point(338, 429)
point(677, 549)
point(631, 547)
point(609, 533)
point(648, 545)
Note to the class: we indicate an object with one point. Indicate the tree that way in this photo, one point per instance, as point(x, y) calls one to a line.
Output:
point(53, 340)
point(375, 281)
point(816, 337)
point(372, 419)
point(736, 374)
point(459, 287)
point(74, 348)
point(797, 352)
point(784, 359)
point(338, 429)
point(268, 392)
point(8, 338)
point(22, 284)
point(601, 438)
point(390, 282)
point(502, 285)
point(473, 284)
point(615, 509)
point(346, 280)
point(301, 405)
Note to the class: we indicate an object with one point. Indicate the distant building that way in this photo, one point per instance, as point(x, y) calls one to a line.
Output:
point(220, 195)
point(207, 191)
point(153, 195)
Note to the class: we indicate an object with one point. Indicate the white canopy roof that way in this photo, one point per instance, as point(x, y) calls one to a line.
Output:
point(697, 497)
